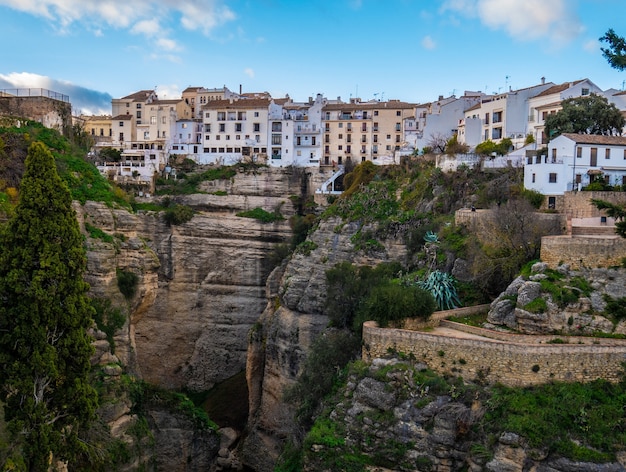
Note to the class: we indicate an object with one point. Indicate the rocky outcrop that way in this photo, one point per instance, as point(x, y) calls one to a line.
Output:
point(562, 307)
point(392, 416)
point(292, 319)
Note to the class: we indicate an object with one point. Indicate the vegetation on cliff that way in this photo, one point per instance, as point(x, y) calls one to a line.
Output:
point(44, 316)
point(396, 413)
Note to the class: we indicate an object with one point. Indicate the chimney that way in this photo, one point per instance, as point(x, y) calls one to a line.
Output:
point(543, 81)
point(440, 97)
point(239, 89)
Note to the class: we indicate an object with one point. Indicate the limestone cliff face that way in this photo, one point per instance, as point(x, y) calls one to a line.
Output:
point(201, 284)
point(291, 321)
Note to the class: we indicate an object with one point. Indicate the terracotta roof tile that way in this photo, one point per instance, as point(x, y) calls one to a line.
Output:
point(596, 139)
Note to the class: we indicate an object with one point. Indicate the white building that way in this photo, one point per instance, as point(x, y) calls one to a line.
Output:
point(574, 161)
point(443, 117)
point(549, 102)
point(500, 116)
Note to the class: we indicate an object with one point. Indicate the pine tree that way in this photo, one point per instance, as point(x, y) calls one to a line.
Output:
point(44, 316)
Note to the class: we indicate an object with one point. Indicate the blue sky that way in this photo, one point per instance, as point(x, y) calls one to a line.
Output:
point(412, 50)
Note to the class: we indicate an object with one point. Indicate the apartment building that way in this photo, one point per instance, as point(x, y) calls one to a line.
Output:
point(196, 97)
point(360, 131)
point(549, 101)
point(236, 130)
point(98, 127)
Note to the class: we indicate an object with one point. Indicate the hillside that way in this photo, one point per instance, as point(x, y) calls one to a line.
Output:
point(226, 271)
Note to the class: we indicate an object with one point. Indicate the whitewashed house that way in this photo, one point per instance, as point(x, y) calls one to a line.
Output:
point(574, 161)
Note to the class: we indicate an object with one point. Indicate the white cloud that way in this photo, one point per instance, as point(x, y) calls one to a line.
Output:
point(83, 100)
point(428, 43)
point(147, 27)
point(522, 19)
point(203, 15)
point(168, 91)
point(249, 72)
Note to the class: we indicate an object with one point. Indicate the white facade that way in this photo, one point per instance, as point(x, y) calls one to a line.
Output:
point(549, 102)
point(445, 115)
point(234, 130)
point(574, 161)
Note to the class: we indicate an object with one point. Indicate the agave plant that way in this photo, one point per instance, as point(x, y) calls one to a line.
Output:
point(442, 286)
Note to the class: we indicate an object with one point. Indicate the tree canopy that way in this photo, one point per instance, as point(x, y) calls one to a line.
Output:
point(44, 316)
point(591, 114)
point(615, 54)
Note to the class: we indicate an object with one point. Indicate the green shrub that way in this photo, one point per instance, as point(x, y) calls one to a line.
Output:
point(321, 372)
point(108, 319)
point(393, 302)
point(127, 283)
point(538, 305)
point(178, 214)
point(97, 233)
point(261, 215)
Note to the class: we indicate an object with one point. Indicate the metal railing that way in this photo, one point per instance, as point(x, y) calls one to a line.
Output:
point(34, 92)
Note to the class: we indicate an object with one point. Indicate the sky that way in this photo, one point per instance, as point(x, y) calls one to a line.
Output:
point(410, 50)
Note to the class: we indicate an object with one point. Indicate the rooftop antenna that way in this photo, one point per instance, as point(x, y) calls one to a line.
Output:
point(623, 82)
point(506, 82)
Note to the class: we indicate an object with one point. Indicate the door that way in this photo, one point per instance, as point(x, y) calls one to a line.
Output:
point(593, 162)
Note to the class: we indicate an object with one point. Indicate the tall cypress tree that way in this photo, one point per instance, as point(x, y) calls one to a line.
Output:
point(44, 317)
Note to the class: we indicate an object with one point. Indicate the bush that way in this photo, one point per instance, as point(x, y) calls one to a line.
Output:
point(393, 302)
point(261, 215)
point(127, 283)
point(178, 214)
point(323, 368)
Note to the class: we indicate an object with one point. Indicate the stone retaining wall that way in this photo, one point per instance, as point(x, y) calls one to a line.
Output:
point(513, 364)
point(590, 251)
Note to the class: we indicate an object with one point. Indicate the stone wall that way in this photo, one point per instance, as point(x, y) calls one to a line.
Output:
point(51, 113)
point(578, 204)
point(580, 252)
point(513, 364)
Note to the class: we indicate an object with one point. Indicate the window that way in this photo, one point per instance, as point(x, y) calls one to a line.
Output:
point(121, 123)
point(228, 137)
point(221, 116)
point(222, 127)
point(276, 139)
point(607, 153)
point(348, 138)
point(579, 152)
point(534, 176)
point(153, 120)
point(348, 149)
point(388, 136)
point(552, 177)
point(544, 115)
point(497, 116)
point(207, 115)
point(364, 138)
point(340, 147)
point(584, 91)
point(398, 113)
point(277, 126)
point(138, 106)
point(340, 136)
point(184, 125)
point(256, 114)
point(313, 142)
point(164, 120)
point(398, 127)
point(375, 138)
point(238, 127)
point(375, 112)
point(553, 155)
point(237, 137)
point(257, 127)
point(375, 126)
point(298, 141)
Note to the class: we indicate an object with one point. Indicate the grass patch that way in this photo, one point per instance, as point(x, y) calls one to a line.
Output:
point(97, 233)
point(262, 215)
